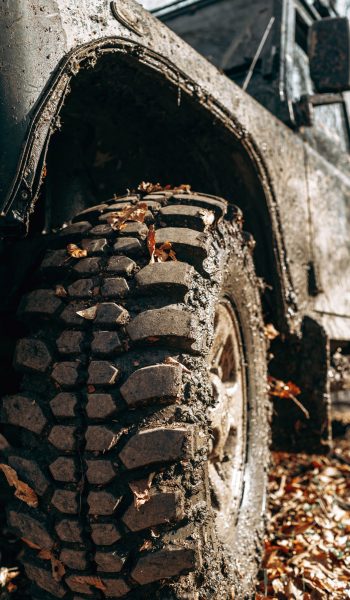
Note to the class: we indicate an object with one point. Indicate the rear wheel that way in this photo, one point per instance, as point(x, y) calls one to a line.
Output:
point(142, 423)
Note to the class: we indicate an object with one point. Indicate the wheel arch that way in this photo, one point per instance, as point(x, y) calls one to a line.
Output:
point(225, 149)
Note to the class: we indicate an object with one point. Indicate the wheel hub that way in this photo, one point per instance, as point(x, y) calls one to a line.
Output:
point(228, 420)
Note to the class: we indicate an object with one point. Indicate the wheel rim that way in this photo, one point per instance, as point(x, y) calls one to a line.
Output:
point(227, 455)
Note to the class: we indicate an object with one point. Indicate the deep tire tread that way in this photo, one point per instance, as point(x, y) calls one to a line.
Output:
point(75, 430)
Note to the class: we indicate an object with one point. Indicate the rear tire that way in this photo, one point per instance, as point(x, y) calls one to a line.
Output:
point(116, 423)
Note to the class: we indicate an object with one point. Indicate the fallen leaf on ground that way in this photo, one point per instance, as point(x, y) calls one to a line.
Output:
point(140, 489)
point(88, 313)
point(306, 547)
point(75, 252)
point(22, 490)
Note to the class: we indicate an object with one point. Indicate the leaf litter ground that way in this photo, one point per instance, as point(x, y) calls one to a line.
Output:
point(307, 544)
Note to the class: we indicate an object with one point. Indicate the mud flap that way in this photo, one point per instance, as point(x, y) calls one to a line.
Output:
point(306, 362)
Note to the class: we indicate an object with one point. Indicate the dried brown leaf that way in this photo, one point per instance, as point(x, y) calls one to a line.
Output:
point(88, 313)
point(75, 252)
point(207, 217)
point(184, 187)
point(140, 489)
point(57, 569)
point(164, 253)
point(95, 582)
point(151, 242)
point(169, 360)
point(22, 490)
point(60, 291)
point(136, 212)
point(288, 391)
point(30, 544)
point(148, 188)
point(147, 545)
point(281, 389)
point(45, 554)
point(116, 437)
point(6, 575)
point(270, 331)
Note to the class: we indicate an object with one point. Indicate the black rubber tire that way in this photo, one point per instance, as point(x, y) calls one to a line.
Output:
point(101, 406)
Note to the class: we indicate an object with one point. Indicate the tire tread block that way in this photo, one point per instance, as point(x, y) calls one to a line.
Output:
point(104, 534)
point(63, 405)
point(183, 215)
point(164, 564)
point(30, 528)
point(189, 245)
point(168, 325)
point(23, 412)
point(152, 382)
point(32, 355)
point(166, 276)
point(29, 471)
point(43, 579)
point(66, 501)
point(161, 508)
point(152, 446)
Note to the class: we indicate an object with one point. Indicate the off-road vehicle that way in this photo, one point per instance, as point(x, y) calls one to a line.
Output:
point(174, 185)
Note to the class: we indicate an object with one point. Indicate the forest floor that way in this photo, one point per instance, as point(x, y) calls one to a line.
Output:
point(307, 544)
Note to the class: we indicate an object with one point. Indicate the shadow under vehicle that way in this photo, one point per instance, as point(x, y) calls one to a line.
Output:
point(134, 390)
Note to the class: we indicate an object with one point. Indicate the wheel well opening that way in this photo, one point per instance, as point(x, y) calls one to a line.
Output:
point(123, 123)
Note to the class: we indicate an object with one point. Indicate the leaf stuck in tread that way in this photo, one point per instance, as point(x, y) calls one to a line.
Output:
point(270, 331)
point(95, 582)
point(140, 489)
point(169, 360)
point(60, 291)
point(75, 252)
point(118, 219)
point(88, 313)
point(161, 254)
point(22, 490)
point(151, 242)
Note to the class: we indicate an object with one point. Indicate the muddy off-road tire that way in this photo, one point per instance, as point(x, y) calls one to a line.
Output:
point(144, 428)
